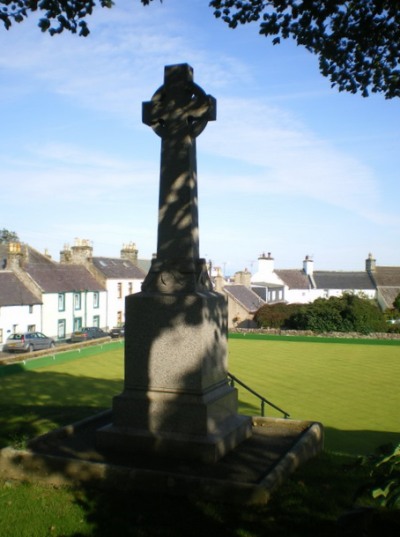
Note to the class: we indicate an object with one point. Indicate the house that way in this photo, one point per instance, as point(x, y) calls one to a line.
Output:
point(302, 286)
point(386, 280)
point(119, 276)
point(242, 301)
point(20, 308)
point(70, 296)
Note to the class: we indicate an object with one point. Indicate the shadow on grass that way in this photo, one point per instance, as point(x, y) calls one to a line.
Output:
point(37, 401)
point(309, 503)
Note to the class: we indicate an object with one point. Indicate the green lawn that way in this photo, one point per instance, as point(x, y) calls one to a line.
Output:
point(352, 389)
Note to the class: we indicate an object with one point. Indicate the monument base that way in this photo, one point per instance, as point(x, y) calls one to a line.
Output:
point(177, 401)
point(206, 449)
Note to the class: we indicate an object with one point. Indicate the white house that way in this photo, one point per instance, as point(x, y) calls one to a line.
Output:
point(20, 309)
point(70, 296)
point(119, 276)
point(301, 286)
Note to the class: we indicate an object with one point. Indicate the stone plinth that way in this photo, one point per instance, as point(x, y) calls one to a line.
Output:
point(177, 400)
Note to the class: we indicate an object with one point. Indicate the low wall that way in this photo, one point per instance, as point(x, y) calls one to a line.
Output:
point(310, 333)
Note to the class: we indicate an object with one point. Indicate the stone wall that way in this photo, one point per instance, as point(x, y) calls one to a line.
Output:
point(343, 335)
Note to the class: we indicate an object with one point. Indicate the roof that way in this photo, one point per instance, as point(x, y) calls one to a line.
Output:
point(387, 276)
point(63, 278)
point(343, 280)
point(14, 293)
point(294, 279)
point(116, 268)
point(388, 295)
point(245, 296)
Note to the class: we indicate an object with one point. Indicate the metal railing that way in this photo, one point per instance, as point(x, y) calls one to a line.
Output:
point(262, 399)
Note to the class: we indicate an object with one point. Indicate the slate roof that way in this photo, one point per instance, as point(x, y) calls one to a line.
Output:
point(388, 295)
point(245, 297)
point(116, 268)
point(14, 293)
point(387, 276)
point(294, 279)
point(342, 280)
point(56, 278)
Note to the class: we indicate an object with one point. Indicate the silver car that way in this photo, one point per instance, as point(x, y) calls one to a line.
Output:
point(28, 342)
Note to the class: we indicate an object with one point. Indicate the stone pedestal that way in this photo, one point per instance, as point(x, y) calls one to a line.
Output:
point(176, 400)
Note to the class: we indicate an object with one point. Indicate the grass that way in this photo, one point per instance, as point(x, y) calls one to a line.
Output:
point(352, 389)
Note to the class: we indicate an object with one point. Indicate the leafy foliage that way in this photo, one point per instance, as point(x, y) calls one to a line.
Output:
point(275, 315)
point(384, 486)
point(357, 41)
point(7, 236)
point(348, 313)
point(58, 15)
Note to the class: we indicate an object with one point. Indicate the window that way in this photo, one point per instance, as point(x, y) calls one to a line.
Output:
point(119, 290)
point(119, 318)
point(77, 324)
point(96, 321)
point(61, 329)
point(31, 309)
point(31, 328)
point(96, 300)
point(77, 301)
point(130, 288)
point(61, 302)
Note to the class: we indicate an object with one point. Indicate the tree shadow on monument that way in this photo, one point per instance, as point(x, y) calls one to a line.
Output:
point(176, 327)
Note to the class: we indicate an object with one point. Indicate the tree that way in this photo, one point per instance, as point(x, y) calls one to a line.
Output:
point(357, 42)
point(275, 315)
point(58, 15)
point(396, 303)
point(7, 236)
point(347, 313)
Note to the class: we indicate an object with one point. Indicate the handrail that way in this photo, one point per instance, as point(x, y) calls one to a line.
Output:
point(263, 400)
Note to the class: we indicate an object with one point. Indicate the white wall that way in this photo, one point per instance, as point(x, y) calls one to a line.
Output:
point(18, 317)
point(87, 312)
point(116, 303)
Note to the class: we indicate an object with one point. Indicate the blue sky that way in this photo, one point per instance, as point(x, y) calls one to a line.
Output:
point(291, 166)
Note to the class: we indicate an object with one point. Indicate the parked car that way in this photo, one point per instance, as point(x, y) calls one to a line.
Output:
point(117, 331)
point(84, 334)
point(28, 342)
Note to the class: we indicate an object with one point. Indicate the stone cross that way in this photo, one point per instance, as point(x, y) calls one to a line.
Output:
point(177, 400)
point(178, 112)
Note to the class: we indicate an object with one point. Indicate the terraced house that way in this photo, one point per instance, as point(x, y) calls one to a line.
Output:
point(59, 299)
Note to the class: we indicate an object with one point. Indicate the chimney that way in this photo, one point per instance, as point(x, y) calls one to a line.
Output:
point(81, 251)
point(266, 263)
point(14, 256)
point(66, 254)
point(130, 252)
point(219, 280)
point(308, 265)
point(243, 277)
point(370, 263)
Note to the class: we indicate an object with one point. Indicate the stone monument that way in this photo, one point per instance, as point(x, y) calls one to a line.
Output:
point(177, 400)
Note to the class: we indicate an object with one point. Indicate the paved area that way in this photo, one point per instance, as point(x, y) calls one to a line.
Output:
point(248, 474)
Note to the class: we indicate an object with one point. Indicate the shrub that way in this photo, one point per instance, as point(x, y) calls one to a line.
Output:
point(275, 315)
point(348, 313)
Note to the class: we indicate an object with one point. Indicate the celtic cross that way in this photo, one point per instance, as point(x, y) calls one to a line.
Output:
point(178, 112)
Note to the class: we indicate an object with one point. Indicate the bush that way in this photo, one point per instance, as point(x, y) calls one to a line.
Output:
point(348, 313)
point(275, 315)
